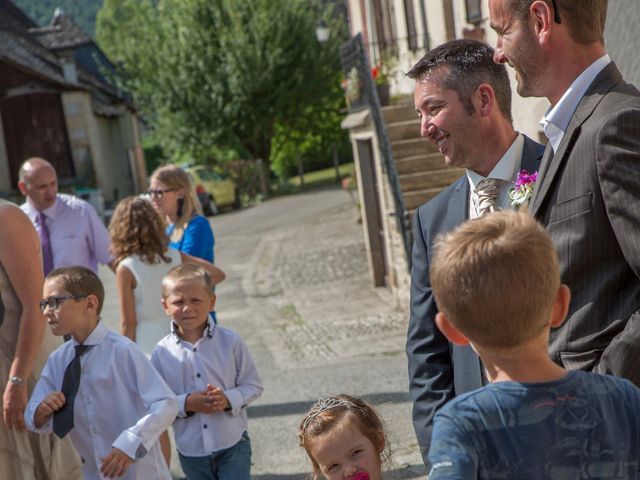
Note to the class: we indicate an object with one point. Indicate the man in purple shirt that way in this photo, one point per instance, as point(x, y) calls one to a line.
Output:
point(70, 231)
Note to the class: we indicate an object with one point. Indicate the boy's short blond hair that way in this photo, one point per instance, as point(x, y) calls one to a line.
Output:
point(79, 281)
point(496, 278)
point(185, 272)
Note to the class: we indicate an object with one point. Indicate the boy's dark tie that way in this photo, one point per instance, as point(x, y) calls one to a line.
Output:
point(63, 418)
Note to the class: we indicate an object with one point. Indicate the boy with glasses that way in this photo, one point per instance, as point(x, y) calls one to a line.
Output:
point(99, 387)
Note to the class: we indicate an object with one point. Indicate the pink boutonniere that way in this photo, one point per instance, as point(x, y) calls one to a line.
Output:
point(520, 194)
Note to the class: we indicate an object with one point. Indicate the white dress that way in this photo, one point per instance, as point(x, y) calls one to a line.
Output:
point(152, 321)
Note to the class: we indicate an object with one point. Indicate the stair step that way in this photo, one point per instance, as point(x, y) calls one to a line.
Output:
point(399, 112)
point(404, 130)
point(430, 179)
point(413, 200)
point(412, 147)
point(419, 163)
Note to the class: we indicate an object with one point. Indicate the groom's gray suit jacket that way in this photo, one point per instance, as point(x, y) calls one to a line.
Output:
point(588, 196)
point(439, 370)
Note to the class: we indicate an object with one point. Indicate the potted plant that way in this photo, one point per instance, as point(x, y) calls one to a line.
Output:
point(382, 74)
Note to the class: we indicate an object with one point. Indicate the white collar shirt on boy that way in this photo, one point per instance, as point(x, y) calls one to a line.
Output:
point(107, 413)
point(220, 358)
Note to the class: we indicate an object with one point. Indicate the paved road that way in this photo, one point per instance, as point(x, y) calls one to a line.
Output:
point(298, 291)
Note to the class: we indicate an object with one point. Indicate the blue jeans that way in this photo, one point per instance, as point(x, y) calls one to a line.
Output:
point(233, 463)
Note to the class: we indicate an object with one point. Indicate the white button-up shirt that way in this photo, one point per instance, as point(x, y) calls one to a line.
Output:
point(222, 359)
point(77, 235)
point(556, 120)
point(506, 169)
point(122, 402)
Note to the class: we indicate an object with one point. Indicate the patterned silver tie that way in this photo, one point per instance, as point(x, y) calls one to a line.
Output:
point(485, 196)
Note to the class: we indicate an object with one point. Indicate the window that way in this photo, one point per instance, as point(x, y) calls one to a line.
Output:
point(474, 11)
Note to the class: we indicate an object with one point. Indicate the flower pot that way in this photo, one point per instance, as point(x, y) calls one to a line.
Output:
point(383, 94)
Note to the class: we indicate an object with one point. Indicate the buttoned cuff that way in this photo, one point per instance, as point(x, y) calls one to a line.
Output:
point(182, 406)
point(29, 420)
point(235, 400)
point(130, 444)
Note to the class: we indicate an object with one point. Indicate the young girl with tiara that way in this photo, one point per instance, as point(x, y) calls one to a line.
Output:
point(142, 256)
point(344, 438)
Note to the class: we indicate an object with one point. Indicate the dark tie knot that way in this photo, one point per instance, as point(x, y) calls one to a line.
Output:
point(80, 349)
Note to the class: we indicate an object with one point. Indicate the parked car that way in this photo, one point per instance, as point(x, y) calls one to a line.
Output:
point(214, 188)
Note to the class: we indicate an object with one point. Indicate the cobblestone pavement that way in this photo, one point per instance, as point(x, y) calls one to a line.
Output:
point(299, 292)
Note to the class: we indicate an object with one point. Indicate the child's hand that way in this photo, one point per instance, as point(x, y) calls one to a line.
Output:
point(217, 399)
point(51, 404)
point(115, 464)
point(198, 402)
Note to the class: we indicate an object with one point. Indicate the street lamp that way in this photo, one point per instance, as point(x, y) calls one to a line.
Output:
point(322, 32)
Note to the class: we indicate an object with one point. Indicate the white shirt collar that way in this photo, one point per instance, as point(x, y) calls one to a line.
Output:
point(557, 118)
point(505, 169)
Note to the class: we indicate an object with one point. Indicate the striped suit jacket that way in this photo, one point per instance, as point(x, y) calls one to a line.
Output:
point(588, 196)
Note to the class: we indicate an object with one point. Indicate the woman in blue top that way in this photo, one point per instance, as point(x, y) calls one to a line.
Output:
point(174, 198)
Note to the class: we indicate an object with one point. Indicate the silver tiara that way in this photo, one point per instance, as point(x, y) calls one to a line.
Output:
point(324, 404)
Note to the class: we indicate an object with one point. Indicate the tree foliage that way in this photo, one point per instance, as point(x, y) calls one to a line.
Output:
point(225, 73)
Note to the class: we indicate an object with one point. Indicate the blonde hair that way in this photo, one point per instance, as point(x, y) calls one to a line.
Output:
point(186, 272)
point(329, 413)
point(137, 229)
point(175, 177)
point(496, 278)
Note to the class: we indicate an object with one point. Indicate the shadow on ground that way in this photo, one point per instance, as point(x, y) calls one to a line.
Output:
point(299, 408)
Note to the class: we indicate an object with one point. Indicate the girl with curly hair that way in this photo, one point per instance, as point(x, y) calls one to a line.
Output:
point(141, 252)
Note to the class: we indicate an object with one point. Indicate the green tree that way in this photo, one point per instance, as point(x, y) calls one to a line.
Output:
point(229, 73)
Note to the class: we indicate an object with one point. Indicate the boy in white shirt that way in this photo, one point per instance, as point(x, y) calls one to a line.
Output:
point(106, 394)
point(210, 369)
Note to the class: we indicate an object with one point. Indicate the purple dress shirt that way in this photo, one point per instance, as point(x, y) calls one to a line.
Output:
point(76, 234)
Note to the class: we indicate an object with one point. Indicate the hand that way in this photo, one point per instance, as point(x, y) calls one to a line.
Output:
point(115, 464)
point(217, 399)
point(14, 402)
point(47, 407)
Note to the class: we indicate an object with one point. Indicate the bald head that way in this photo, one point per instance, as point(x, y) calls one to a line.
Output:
point(38, 182)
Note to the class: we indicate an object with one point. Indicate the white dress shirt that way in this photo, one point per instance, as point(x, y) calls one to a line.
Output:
point(222, 359)
point(122, 402)
point(77, 235)
point(506, 170)
point(556, 119)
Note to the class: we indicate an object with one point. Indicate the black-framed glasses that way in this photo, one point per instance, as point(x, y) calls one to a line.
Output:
point(54, 302)
point(160, 193)
point(556, 12)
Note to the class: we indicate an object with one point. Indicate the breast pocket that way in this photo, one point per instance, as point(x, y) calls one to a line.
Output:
point(574, 207)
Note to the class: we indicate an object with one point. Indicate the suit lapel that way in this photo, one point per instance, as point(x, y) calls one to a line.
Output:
point(458, 209)
point(552, 163)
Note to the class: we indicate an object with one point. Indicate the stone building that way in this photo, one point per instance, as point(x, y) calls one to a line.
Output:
point(56, 101)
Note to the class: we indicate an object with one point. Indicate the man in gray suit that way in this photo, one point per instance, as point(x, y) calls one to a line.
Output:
point(464, 101)
point(589, 183)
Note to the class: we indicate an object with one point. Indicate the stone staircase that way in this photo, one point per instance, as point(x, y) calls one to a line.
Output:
point(421, 169)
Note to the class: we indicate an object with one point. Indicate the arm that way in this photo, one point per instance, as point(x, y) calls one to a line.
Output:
point(100, 240)
point(452, 455)
point(47, 407)
point(20, 257)
point(618, 163)
point(429, 358)
point(161, 404)
point(125, 283)
point(35, 418)
point(248, 383)
point(216, 274)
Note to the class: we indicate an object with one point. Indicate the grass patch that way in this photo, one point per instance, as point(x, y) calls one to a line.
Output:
point(323, 177)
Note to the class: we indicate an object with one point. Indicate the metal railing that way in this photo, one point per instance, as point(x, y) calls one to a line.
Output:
point(353, 55)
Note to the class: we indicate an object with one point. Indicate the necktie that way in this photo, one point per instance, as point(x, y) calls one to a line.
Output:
point(485, 196)
point(63, 418)
point(47, 255)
